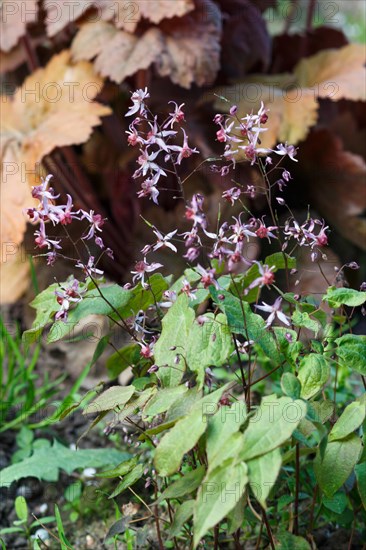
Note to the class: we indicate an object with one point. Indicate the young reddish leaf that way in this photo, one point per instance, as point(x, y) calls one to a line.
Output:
point(14, 16)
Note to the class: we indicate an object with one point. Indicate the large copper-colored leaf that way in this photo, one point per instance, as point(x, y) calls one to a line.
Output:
point(15, 197)
point(119, 54)
point(53, 108)
point(130, 13)
point(14, 274)
point(14, 16)
point(125, 14)
point(337, 183)
point(186, 49)
point(335, 74)
point(192, 46)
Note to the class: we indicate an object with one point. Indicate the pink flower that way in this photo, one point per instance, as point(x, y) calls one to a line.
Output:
point(42, 241)
point(163, 241)
point(96, 222)
point(240, 231)
point(149, 189)
point(157, 136)
point(192, 254)
point(264, 232)
point(90, 267)
point(141, 268)
point(266, 277)
point(187, 289)
point(185, 151)
point(68, 295)
point(275, 311)
point(232, 195)
point(146, 161)
point(286, 150)
point(207, 276)
point(176, 117)
point(146, 350)
point(138, 99)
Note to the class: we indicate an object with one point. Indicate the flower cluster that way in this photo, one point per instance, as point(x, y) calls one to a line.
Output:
point(241, 136)
point(49, 214)
point(155, 143)
point(157, 148)
point(312, 233)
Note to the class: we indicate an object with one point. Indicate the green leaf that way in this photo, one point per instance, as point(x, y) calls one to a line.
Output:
point(176, 326)
point(313, 373)
point(263, 472)
point(251, 325)
point(334, 468)
point(185, 485)
point(185, 434)
point(344, 296)
point(291, 385)
point(128, 356)
point(278, 261)
point(184, 404)
point(130, 479)
point(337, 503)
point(236, 516)
point(360, 471)
point(46, 462)
point(351, 352)
point(142, 298)
point(287, 541)
point(274, 422)
point(164, 399)
point(320, 411)
point(136, 403)
point(25, 437)
point(114, 297)
point(120, 470)
point(209, 344)
point(21, 508)
point(116, 396)
point(65, 544)
point(303, 319)
point(221, 427)
point(218, 495)
point(182, 515)
point(351, 419)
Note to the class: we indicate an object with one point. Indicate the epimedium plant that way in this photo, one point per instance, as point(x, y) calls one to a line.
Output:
point(221, 464)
